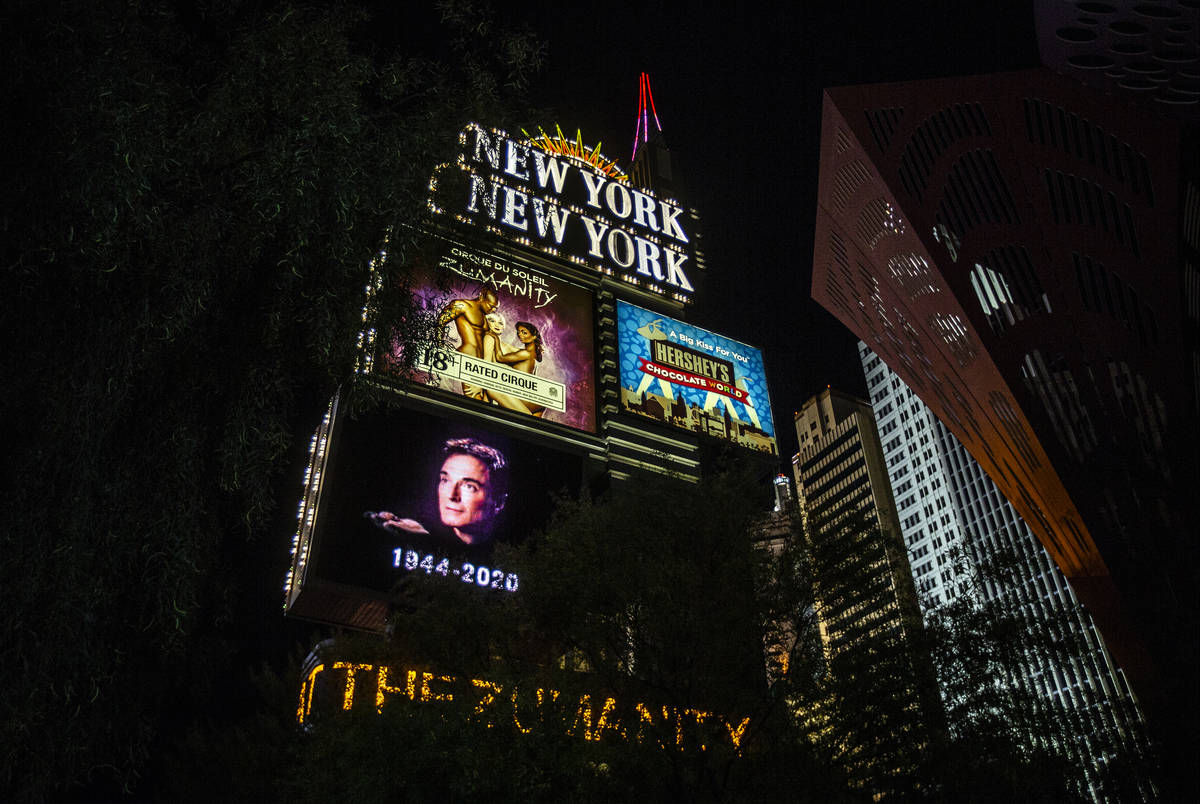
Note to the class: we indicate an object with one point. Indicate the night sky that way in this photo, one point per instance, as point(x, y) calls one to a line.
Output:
point(738, 94)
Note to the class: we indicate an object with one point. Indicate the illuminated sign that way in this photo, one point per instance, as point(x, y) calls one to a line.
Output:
point(576, 148)
point(693, 379)
point(516, 337)
point(409, 495)
point(574, 210)
point(587, 716)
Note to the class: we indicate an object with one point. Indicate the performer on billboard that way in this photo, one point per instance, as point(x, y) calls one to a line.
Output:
point(470, 319)
point(472, 490)
point(493, 347)
point(527, 357)
point(530, 354)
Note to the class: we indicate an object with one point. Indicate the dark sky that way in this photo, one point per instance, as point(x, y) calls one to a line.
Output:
point(738, 94)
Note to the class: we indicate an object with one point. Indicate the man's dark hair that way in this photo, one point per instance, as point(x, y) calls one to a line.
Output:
point(490, 457)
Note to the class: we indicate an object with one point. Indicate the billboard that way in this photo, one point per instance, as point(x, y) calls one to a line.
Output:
point(571, 209)
point(516, 337)
point(406, 493)
point(693, 379)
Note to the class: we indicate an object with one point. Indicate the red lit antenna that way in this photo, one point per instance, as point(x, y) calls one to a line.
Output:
point(646, 110)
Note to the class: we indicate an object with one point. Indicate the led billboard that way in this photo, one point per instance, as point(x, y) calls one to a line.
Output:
point(516, 337)
point(693, 379)
point(406, 493)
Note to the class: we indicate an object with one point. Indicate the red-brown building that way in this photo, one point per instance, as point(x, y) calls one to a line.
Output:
point(1022, 252)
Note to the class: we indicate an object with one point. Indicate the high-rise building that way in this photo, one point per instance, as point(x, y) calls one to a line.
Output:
point(864, 601)
point(1021, 251)
point(840, 475)
point(950, 512)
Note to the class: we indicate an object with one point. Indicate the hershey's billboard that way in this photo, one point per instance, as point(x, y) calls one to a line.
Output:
point(693, 379)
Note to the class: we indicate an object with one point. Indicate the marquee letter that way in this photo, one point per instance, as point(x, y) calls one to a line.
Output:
point(351, 669)
point(485, 149)
point(427, 694)
point(489, 697)
point(627, 259)
point(675, 274)
point(546, 213)
point(608, 721)
point(644, 211)
point(583, 712)
point(594, 184)
point(515, 717)
point(547, 166)
point(644, 719)
point(516, 160)
point(615, 195)
point(699, 717)
point(595, 231)
point(736, 734)
point(670, 225)
point(382, 688)
point(306, 693)
point(479, 191)
point(647, 259)
point(514, 209)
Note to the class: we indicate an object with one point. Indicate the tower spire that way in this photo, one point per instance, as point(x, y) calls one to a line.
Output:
point(646, 111)
point(651, 168)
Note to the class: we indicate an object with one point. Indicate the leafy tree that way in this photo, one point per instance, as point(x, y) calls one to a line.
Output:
point(663, 592)
point(939, 709)
point(876, 701)
point(193, 192)
point(652, 590)
point(645, 594)
point(1005, 735)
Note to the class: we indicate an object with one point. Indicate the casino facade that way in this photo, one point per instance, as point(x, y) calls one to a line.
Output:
point(557, 285)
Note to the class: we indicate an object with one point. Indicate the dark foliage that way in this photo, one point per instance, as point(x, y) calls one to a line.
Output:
point(672, 594)
point(192, 194)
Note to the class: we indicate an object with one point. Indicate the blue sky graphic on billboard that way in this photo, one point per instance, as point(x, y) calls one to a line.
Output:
point(693, 379)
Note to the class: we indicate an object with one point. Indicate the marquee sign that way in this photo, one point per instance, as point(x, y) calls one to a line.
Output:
point(573, 210)
point(350, 686)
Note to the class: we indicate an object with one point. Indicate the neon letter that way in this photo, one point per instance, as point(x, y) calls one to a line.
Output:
point(617, 198)
point(644, 211)
point(675, 274)
point(514, 209)
point(647, 259)
point(670, 225)
point(594, 184)
point(485, 149)
point(595, 231)
point(546, 213)
point(479, 191)
point(548, 167)
point(516, 160)
point(627, 258)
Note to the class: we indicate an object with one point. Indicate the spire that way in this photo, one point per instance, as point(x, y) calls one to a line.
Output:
point(646, 111)
point(651, 168)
